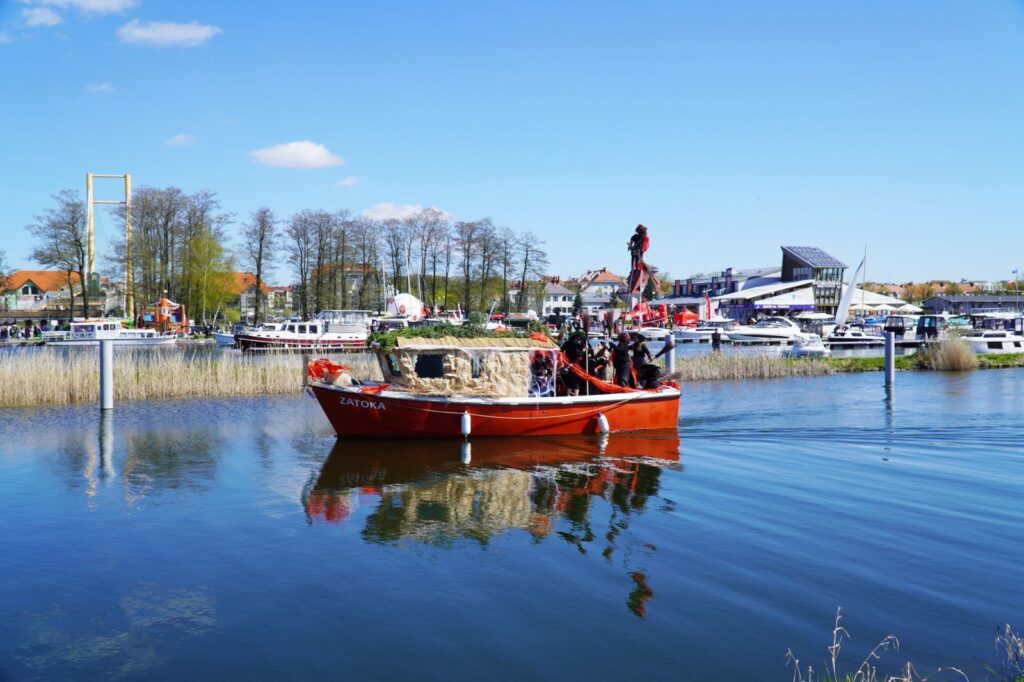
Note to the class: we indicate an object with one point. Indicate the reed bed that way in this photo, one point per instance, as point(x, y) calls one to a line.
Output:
point(952, 354)
point(42, 378)
point(718, 366)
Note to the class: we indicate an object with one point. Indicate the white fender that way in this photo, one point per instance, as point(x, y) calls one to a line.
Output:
point(466, 424)
point(602, 423)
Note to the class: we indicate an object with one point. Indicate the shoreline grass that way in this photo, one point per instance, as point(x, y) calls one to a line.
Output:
point(31, 379)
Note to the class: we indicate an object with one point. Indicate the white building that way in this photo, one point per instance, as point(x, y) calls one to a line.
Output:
point(557, 300)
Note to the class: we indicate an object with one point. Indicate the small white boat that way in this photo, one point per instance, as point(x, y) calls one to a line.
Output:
point(654, 333)
point(91, 332)
point(777, 330)
point(704, 330)
point(856, 336)
point(808, 346)
point(224, 338)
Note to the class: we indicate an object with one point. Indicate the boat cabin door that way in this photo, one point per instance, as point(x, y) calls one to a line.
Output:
point(928, 327)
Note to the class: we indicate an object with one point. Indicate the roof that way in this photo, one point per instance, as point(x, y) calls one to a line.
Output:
point(813, 256)
point(605, 277)
point(678, 300)
point(46, 280)
point(242, 281)
point(804, 296)
point(483, 342)
point(767, 290)
point(975, 298)
point(556, 289)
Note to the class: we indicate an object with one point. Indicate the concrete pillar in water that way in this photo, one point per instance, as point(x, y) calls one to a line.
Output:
point(106, 374)
point(890, 359)
point(670, 354)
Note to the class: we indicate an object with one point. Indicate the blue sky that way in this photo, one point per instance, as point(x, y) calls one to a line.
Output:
point(728, 127)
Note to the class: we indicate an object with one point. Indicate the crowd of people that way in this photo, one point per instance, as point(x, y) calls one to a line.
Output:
point(12, 331)
point(627, 357)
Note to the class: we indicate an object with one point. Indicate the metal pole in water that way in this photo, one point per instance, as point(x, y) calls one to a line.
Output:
point(670, 354)
point(106, 374)
point(890, 359)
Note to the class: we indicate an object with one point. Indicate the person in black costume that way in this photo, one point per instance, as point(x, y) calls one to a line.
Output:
point(622, 362)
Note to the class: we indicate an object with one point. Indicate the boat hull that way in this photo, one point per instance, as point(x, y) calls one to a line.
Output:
point(155, 341)
point(248, 343)
point(362, 415)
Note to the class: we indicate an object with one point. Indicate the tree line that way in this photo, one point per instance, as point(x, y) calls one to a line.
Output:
point(185, 247)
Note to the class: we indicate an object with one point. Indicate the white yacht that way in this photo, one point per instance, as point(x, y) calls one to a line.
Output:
point(856, 336)
point(330, 330)
point(769, 330)
point(91, 332)
point(997, 333)
point(705, 328)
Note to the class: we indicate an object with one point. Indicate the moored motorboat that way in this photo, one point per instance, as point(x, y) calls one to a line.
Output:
point(856, 336)
point(91, 332)
point(769, 330)
point(705, 329)
point(996, 333)
point(490, 386)
point(330, 330)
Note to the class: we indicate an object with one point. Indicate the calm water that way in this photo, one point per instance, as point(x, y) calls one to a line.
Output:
point(238, 538)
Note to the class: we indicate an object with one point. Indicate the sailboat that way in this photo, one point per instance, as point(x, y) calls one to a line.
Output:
point(853, 335)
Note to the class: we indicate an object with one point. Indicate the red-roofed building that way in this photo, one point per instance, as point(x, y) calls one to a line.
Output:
point(243, 285)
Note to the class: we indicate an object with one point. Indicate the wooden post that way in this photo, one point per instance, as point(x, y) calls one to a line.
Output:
point(305, 369)
point(106, 374)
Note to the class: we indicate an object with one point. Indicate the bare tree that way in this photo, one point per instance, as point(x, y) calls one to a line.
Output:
point(322, 226)
point(344, 227)
point(301, 247)
point(465, 243)
point(430, 224)
point(365, 249)
point(508, 246)
point(259, 241)
point(395, 236)
point(3, 270)
point(487, 249)
point(60, 234)
point(535, 260)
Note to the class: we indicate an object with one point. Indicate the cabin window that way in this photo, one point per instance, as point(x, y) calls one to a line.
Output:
point(291, 327)
point(429, 366)
point(476, 363)
point(393, 365)
point(302, 329)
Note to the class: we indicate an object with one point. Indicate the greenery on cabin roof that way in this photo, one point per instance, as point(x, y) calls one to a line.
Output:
point(388, 340)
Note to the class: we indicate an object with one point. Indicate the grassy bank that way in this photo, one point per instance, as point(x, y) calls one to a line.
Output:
point(30, 379)
point(952, 355)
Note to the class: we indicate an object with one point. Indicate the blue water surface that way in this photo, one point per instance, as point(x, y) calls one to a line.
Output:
point(238, 538)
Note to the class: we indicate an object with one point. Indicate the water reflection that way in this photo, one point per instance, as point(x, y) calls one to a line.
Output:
point(583, 491)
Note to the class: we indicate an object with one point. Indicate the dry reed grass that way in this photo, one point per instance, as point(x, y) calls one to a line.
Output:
point(717, 366)
point(45, 378)
point(868, 670)
point(952, 354)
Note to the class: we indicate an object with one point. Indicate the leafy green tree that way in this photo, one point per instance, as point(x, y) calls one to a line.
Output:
point(650, 293)
point(577, 303)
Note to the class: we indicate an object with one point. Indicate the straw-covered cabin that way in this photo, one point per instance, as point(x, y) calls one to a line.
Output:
point(495, 366)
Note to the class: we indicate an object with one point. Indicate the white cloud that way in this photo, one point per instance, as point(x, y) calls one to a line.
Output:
point(5, 39)
point(180, 139)
point(386, 210)
point(301, 154)
point(91, 6)
point(40, 16)
point(348, 183)
point(166, 33)
point(100, 88)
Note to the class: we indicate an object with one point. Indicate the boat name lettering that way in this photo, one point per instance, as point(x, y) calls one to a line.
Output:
point(359, 402)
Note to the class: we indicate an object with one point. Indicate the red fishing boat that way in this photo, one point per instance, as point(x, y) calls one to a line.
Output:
point(490, 386)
